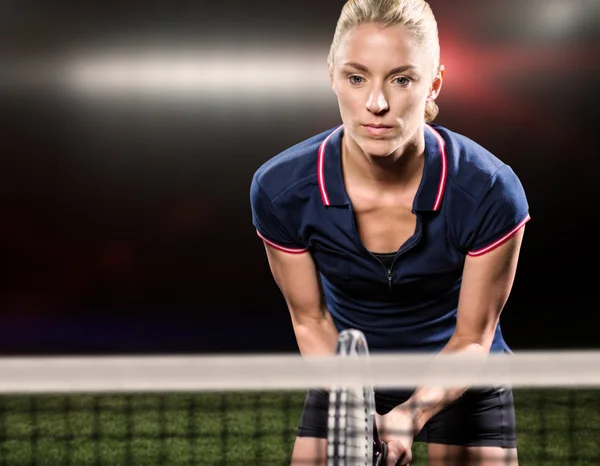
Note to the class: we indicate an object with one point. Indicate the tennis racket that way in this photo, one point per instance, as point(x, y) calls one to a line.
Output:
point(352, 434)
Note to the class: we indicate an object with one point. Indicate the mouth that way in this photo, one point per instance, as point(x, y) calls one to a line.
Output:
point(377, 130)
point(378, 126)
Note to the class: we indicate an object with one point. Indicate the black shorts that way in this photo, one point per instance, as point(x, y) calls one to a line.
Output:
point(481, 417)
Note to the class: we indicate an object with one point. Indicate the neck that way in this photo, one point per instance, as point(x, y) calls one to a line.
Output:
point(399, 169)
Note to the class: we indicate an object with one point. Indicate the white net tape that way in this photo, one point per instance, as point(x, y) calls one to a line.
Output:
point(282, 372)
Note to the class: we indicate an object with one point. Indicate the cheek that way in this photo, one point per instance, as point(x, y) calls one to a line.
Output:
point(349, 101)
point(412, 97)
point(412, 103)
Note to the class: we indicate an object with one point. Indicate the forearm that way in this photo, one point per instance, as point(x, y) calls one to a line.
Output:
point(315, 336)
point(485, 287)
point(428, 400)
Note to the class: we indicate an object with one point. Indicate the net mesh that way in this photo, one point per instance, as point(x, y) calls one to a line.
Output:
point(245, 410)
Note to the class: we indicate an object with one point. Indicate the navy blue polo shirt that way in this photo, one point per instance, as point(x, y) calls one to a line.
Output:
point(468, 203)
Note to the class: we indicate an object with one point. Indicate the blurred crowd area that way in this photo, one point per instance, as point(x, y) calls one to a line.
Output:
point(129, 136)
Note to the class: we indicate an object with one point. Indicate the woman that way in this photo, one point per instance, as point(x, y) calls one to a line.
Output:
point(400, 228)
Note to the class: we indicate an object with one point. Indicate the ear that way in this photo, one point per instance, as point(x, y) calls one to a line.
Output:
point(436, 86)
point(332, 82)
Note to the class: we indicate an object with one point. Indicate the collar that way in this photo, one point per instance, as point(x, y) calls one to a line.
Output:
point(431, 190)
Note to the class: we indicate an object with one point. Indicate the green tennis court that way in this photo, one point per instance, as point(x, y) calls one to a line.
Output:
point(556, 427)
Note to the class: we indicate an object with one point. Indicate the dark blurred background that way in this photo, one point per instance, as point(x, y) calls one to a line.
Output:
point(129, 133)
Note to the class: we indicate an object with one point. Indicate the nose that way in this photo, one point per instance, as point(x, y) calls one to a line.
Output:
point(377, 102)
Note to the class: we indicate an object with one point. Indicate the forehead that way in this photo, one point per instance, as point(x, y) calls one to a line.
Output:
point(376, 46)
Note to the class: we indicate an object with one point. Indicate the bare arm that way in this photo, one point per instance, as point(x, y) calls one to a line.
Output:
point(487, 281)
point(297, 278)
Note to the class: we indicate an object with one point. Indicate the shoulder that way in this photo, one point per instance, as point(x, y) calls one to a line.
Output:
point(473, 169)
point(486, 202)
point(292, 168)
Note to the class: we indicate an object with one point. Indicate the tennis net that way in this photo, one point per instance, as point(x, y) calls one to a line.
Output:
point(244, 410)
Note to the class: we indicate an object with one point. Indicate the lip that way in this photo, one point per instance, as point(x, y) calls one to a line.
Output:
point(377, 130)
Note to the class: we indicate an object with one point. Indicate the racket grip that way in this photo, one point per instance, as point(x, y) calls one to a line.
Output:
point(380, 454)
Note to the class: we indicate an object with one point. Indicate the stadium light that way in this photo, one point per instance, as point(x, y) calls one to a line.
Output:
point(210, 74)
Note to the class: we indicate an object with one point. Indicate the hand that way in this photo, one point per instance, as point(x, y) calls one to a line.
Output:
point(397, 430)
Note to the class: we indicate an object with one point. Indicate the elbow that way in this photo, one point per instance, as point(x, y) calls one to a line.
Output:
point(470, 345)
point(475, 338)
point(303, 331)
point(305, 320)
point(315, 335)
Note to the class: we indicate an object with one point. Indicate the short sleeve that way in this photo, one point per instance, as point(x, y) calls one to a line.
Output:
point(499, 214)
point(268, 227)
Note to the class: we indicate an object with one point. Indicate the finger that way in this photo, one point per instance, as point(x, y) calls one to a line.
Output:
point(391, 459)
point(397, 454)
point(395, 460)
point(393, 454)
point(405, 459)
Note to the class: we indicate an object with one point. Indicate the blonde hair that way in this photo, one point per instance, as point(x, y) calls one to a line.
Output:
point(414, 15)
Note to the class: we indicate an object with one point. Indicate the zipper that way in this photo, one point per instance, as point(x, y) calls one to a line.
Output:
point(403, 249)
point(388, 272)
point(416, 237)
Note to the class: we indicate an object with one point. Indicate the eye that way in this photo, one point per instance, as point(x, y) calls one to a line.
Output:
point(355, 79)
point(402, 81)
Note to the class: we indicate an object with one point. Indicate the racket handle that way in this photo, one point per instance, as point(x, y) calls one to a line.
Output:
point(379, 448)
point(380, 454)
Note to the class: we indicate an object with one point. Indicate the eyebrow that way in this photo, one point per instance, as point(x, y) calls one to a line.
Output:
point(399, 69)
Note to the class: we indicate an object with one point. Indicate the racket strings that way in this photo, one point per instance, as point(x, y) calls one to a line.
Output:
point(350, 434)
point(351, 413)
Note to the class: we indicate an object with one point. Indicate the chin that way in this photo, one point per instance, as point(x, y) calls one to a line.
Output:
point(377, 147)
